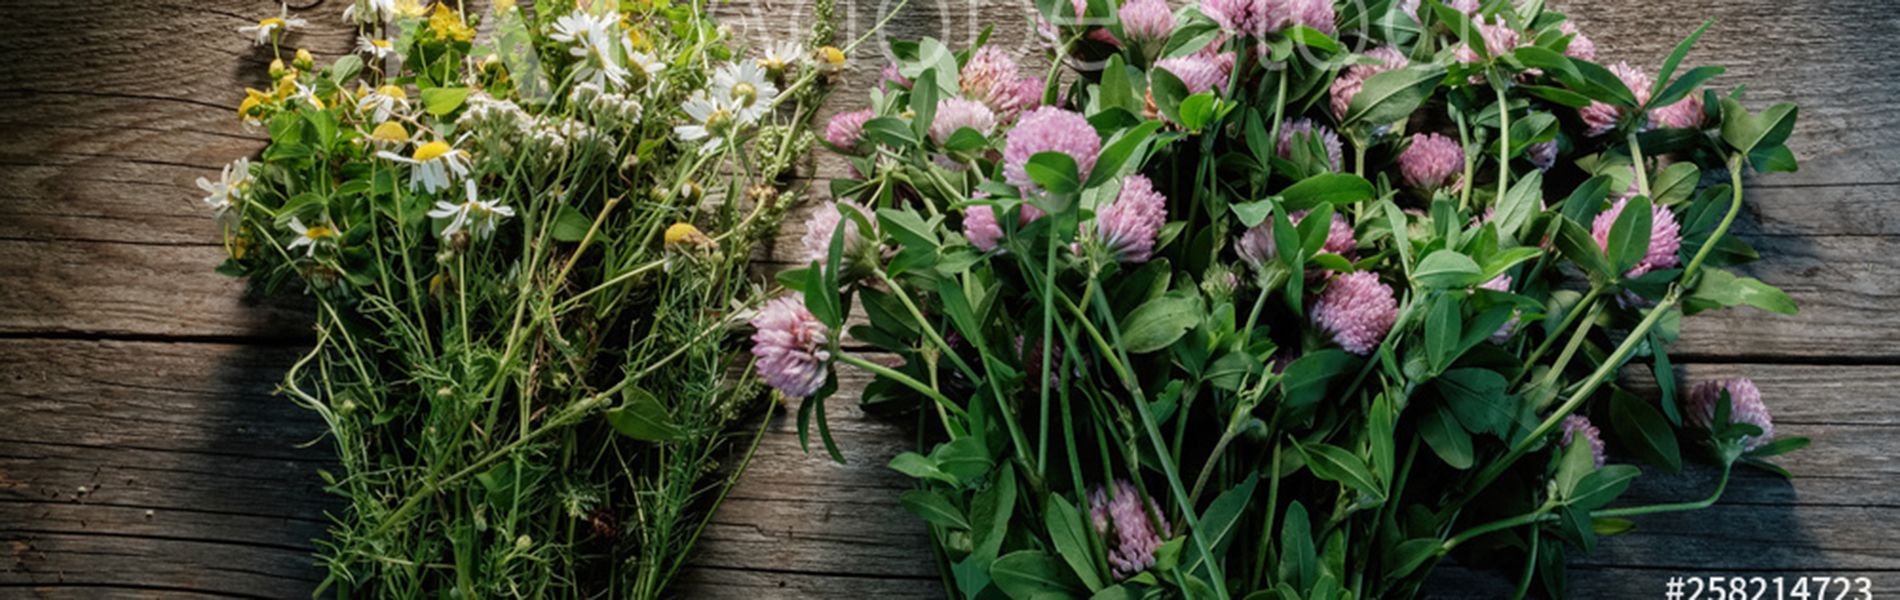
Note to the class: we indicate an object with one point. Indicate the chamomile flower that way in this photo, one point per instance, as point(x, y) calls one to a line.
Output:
point(713, 120)
point(594, 43)
point(409, 9)
point(644, 64)
point(307, 93)
point(369, 12)
point(744, 87)
point(230, 187)
point(262, 32)
point(475, 214)
point(377, 48)
point(307, 237)
point(779, 58)
point(384, 102)
point(390, 134)
point(431, 165)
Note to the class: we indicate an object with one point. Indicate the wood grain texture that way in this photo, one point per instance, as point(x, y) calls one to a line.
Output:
point(129, 369)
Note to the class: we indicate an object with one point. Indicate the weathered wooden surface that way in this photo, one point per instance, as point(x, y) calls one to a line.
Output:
point(143, 455)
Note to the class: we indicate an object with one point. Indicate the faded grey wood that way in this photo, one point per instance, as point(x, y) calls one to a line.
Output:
point(128, 368)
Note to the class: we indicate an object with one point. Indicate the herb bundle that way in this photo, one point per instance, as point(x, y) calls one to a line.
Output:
point(528, 249)
point(1282, 299)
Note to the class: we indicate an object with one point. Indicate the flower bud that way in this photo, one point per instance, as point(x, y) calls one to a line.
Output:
point(277, 69)
point(304, 60)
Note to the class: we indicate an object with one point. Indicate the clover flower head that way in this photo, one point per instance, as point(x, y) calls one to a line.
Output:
point(1357, 311)
point(1581, 48)
point(1256, 245)
point(847, 129)
point(990, 77)
point(1431, 162)
point(957, 113)
point(1469, 7)
point(1574, 425)
point(1317, 14)
point(1745, 406)
point(1502, 283)
point(1686, 113)
point(1354, 78)
point(1127, 525)
point(1244, 17)
point(1599, 117)
point(824, 223)
point(1146, 22)
point(1128, 225)
point(1543, 155)
point(1200, 74)
point(889, 77)
point(791, 346)
point(983, 230)
point(1050, 129)
point(1665, 237)
point(1499, 39)
point(1304, 130)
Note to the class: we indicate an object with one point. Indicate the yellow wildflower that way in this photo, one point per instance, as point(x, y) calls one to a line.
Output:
point(253, 99)
point(448, 25)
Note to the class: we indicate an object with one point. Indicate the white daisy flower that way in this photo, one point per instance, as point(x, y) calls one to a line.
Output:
point(378, 49)
point(713, 120)
point(384, 102)
point(593, 37)
point(646, 63)
point(369, 12)
point(261, 32)
point(779, 59)
point(744, 87)
point(431, 164)
point(476, 214)
point(307, 93)
point(230, 187)
point(307, 237)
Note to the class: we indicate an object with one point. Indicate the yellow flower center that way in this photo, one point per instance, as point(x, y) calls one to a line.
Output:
point(680, 232)
point(393, 92)
point(719, 122)
point(410, 8)
point(384, 44)
point(831, 56)
point(271, 23)
point(745, 94)
point(431, 151)
point(390, 131)
point(448, 25)
point(317, 232)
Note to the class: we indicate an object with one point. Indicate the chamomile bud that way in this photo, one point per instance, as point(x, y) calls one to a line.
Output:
point(830, 60)
point(684, 235)
point(304, 60)
point(390, 133)
point(763, 195)
point(691, 192)
point(277, 69)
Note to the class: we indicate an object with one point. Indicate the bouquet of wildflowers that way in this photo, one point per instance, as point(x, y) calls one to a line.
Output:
point(527, 236)
point(1282, 299)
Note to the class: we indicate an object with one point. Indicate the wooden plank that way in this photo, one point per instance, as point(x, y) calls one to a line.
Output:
point(142, 469)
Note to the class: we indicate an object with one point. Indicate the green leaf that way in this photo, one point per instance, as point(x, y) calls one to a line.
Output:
point(1220, 522)
point(641, 416)
point(1557, 95)
point(923, 104)
point(1600, 84)
point(1462, 28)
point(1409, 556)
point(964, 139)
point(1332, 463)
point(1725, 289)
point(1446, 269)
point(1628, 241)
point(919, 466)
point(1477, 397)
point(908, 228)
point(345, 68)
point(1447, 438)
point(1607, 526)
point(1644, 430)
point(1686, 85)
point(1168, 92)
point(1252, 213)
point(1196, 110)
point(1393, 95)
point(1121, 152)
point(1190, 38)
point(1745, 132)
point(444, 100)
point(1118, 89)
point(933, 508)
point(1675, 184)
point(1578, 246)
point(1310, 377)
point(1330, 188)
point(1157, 323)
point(890, 131)
point(1442, 329)
point(963, 458)
point(821, 296)
point(1031, 573)
point(1299, 561)
point(1600, 486)
point(570, 225)
point(1675, 58)
point(1068, 532)
point(1055, 172)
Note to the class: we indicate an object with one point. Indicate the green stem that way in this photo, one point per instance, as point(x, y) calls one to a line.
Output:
point(907, 380)
point(1504, 140)
point(1582, 306)
point(1734, 207)
point(1636, 163)
point(1720, 486)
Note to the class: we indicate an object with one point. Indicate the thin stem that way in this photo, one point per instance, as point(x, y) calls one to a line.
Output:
point(907, 380)
point(1582, 305)
point(1720, 486)
point(1734, 207)
point(1636, 163)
